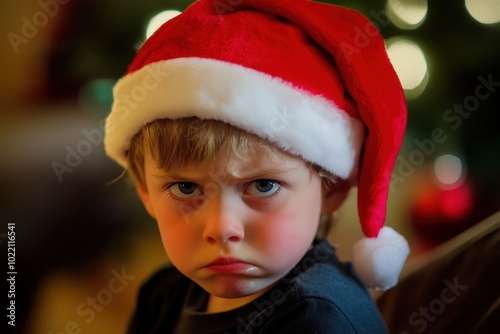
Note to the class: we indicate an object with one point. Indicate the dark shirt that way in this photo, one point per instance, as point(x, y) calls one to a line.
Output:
point(319, 295)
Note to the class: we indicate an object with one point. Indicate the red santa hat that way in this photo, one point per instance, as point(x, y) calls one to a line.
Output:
point(313, 78)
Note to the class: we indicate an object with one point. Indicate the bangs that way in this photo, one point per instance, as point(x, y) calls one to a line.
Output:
point(174, 143)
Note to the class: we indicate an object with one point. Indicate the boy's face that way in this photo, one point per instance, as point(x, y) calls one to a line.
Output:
point(235, 228)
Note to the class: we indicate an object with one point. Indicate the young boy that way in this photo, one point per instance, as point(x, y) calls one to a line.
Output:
point(241, 123)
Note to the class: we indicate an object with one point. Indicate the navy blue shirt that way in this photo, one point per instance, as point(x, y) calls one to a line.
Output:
point(319, 295)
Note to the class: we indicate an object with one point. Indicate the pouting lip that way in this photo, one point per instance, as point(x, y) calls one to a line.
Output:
point(221, 261)
point(232, 266)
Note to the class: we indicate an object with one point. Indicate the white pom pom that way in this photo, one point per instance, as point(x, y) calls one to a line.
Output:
point(378, 261)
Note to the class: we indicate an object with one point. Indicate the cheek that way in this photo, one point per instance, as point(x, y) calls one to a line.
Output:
point(300, 217)
point(179, 245)
point(284, 237)
point(290, 230)
point(176, 235)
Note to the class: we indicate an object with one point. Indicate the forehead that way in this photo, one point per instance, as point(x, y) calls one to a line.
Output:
point(242, 164)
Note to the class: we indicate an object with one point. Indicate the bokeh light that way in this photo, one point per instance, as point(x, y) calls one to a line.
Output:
point(449, 170)
point(407, 14)
point(457, 202)
point(96, 96)
point(410, 64)
point(159, 19)
point(484, 11)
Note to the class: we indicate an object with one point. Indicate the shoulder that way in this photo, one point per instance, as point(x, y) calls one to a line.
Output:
point(160, 298)
point(167, 284)
point(323, 296)
point(321, 274)
point(162, 279)
point(310, 315)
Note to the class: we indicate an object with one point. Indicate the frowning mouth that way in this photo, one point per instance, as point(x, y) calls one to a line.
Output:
point(229, 265)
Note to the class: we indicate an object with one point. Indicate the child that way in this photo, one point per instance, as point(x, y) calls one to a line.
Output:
point(241, 123)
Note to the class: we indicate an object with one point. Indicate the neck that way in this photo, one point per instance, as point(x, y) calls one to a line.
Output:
point(218, 304)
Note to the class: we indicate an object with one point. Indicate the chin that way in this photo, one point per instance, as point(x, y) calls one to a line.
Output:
point(232, 287)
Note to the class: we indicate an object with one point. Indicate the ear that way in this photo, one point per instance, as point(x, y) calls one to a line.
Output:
point(334, 196)
point(142, 190)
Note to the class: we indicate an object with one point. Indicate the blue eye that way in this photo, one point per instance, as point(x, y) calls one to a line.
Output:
point(185, 189)
point(263, 187)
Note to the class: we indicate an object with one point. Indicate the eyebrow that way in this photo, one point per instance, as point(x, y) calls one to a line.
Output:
point(262, 174)
point(265, 173)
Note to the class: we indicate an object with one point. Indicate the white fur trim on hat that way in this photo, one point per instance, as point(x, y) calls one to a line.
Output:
point(378, 261)
point(297, 121)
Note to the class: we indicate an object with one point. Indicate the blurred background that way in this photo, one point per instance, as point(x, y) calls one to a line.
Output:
point(83, 245)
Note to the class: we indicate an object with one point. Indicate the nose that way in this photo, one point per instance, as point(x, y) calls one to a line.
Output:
point(223, 222)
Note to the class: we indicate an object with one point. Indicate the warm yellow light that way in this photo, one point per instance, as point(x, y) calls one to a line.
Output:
point(159, 19)
point(409, 62)
point(484, 11)
point(407, 14)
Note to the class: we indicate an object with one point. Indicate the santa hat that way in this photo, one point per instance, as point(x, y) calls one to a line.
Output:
point(313, 78)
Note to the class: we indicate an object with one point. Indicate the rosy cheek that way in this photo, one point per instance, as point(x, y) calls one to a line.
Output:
point(289, 231)
point(275, 232)
point(175, 238)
